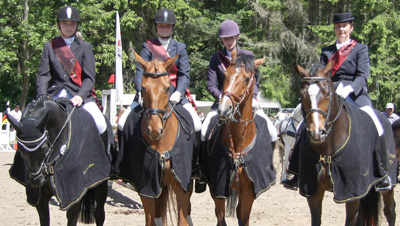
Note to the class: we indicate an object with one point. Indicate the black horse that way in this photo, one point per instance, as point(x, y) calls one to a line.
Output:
point(54, 158)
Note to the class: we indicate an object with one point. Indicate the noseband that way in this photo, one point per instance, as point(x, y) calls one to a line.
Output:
point(325, 115)
point(239, 99)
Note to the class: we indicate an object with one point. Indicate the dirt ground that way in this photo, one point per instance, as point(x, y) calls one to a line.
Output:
point(277, 206)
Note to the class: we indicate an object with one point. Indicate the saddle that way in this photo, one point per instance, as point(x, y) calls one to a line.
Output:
point(287, 127)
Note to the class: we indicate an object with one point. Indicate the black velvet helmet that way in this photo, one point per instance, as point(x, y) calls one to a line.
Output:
point(342, 17)
point(164, 16)
point(68, 13)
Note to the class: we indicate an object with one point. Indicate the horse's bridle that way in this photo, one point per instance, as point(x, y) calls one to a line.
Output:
point(161, 113)
point(46, 163)
point(325, 115)
point(239, 99)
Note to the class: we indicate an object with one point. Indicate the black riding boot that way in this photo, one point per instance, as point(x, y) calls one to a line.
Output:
point(199, 185)
point(386, 183)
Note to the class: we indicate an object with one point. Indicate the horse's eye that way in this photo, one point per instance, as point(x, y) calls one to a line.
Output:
point(167, 90)
point(247, 80)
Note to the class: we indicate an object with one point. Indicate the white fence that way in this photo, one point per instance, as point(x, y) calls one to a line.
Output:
point(6, 137)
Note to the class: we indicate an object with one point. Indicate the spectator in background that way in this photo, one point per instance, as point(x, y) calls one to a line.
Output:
point(201, 116)
point(389, 113)
point(16, 113)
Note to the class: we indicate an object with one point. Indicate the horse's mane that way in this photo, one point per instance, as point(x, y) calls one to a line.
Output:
point(246, 60)
point(396, 125)
point(38, 104)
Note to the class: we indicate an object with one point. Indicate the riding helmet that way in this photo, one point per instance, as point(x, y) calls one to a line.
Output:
point(68, 13)
point(164, 16)
point(228, 28)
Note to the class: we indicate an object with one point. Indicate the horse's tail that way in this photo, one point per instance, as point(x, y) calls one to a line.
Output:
point(88, 207)
point(232, 203)
point(167, 204)
point(368, 212)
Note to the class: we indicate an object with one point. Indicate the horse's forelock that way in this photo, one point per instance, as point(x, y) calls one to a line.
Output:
point(314, 70)
point(246, 60)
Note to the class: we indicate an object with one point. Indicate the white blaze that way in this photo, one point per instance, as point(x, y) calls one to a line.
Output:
point(313, 91)
point(231, 85)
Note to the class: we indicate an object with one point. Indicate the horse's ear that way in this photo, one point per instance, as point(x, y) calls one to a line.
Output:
point(17, 125)
point(234, 54)
point(258, 62)
point(301, 71)
point(140, 60)
point(170, 62)
point(328, 68)
point(41, 123)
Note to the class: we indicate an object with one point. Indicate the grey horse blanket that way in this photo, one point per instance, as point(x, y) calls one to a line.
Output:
point(354, 169)
point(143, 166)
point(83, 165)
point(219, 170)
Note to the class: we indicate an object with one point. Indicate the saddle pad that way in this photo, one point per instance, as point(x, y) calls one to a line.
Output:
point(83, 166)
point(354, 169)
point(218, 167)
point(143, 166)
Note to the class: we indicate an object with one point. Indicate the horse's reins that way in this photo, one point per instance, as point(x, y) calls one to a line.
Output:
point(325, 115)
point(44, 137)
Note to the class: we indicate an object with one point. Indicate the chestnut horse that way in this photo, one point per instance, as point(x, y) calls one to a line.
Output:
point(160, 128)
point(238, 134)
point(328, 129)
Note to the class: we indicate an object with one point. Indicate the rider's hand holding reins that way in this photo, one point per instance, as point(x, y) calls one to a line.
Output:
point(175, 97)
point(77, 101)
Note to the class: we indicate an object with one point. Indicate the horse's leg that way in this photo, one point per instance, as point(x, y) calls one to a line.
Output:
point(352, 212)
point(289, 143)
point(220, 211)
point(389, 207)
point(315, 205)
point(149, 210)
point(101, 197)
point(72, 214)
point(246, 199)
point(183, 203)
point(43, 210)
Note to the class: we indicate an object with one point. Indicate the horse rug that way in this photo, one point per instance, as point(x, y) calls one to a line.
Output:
point(354, 169)
point(218, 167)
point(144, 167)
point(82, 166)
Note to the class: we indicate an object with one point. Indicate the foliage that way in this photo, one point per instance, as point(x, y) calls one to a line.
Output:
point(282, 31)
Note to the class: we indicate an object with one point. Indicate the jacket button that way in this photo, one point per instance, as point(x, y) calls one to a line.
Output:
point(65, 76)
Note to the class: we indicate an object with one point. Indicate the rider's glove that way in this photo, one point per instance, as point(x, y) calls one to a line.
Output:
point(175, 97)
point(255, 104)
point(344, 91)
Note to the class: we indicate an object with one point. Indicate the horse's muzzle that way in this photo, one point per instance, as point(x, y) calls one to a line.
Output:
point(225, 111)
point(317, 137)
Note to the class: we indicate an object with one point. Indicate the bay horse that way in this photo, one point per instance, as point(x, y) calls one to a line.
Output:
point(45, 142)
point(238, 164)
point(331, 132)
point(160, 128)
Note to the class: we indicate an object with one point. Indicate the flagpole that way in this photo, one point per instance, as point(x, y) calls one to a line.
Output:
point(118, 62)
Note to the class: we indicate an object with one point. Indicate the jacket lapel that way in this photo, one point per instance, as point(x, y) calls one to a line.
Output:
point(172, 48)
point(74, 46)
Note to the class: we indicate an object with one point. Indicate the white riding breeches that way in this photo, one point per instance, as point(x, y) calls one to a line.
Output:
point(371, 113)
point(91, 108)
point(271, 128)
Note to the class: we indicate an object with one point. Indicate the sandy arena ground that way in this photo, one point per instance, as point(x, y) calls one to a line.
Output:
point(277, 206)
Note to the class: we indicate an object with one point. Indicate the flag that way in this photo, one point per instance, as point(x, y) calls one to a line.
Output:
point(111, 79)
point(118, 62)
